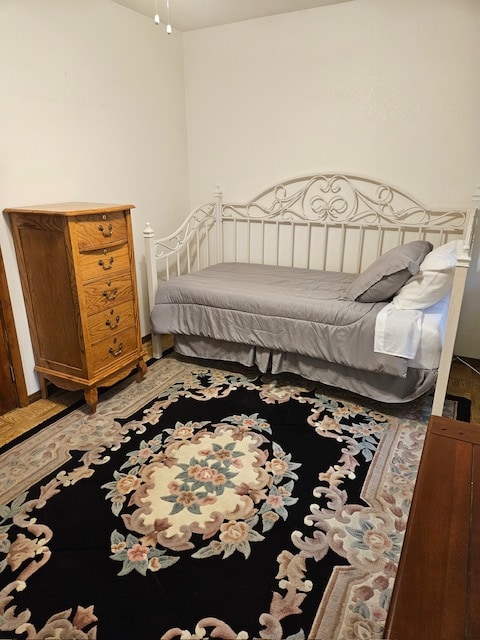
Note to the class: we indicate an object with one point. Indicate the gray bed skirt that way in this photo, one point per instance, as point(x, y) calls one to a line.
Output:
point(379, 386)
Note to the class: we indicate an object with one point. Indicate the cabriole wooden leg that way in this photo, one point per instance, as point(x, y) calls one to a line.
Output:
point(141, 370)
point(91, 398)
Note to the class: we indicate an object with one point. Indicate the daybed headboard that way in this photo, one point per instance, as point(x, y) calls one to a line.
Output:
point(328, 221)
point(334, 222)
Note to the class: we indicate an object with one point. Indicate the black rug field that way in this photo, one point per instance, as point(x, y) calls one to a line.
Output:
point(208, 503)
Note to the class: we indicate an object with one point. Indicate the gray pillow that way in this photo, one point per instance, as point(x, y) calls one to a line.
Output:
point(382, 279)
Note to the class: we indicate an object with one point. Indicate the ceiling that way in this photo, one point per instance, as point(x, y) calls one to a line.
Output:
point(187, 15)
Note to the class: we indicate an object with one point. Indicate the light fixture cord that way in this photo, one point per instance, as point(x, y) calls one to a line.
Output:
point(169, 26)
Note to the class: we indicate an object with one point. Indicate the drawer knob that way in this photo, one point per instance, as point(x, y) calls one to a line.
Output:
point(116, 353)
point(111, 294)
point(113, 324)
point(106, 233)
point(106, 265)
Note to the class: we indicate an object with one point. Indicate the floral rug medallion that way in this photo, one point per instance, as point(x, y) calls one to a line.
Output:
point(208, 503)
point(221, 484)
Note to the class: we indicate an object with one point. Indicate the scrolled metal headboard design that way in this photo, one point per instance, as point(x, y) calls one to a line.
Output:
point(200, 217)
point(337, 198)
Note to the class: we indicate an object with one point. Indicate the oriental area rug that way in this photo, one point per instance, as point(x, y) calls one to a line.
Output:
point(207, 503)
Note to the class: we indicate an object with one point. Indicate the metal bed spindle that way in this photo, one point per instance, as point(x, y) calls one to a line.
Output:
point(188, 258)
point(361, 249)
point(325, 240)
point(342, 253)
point(309, 243)
point(292, 239)
point(249, 240)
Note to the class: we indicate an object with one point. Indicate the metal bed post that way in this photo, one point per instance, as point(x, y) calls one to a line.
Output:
point(219, 223)
point(152, 281)
point(453, 317)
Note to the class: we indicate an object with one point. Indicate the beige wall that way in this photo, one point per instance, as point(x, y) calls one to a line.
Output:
point(383, 88)
point(92, 109)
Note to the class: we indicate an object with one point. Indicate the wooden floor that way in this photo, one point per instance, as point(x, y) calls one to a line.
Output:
point(19, 421)
point(464, 382)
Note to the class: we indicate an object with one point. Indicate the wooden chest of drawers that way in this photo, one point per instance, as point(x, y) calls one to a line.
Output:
point(77, 269)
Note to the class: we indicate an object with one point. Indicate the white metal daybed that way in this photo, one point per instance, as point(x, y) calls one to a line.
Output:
point(341, 279)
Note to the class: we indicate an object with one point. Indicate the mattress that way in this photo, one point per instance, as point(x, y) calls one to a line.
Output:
point(283, 309)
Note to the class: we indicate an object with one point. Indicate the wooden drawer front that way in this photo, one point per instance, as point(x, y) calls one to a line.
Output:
point(106, 262)
point(106, 352)
point(111, 321)
point(106, 293)
point(101, 230)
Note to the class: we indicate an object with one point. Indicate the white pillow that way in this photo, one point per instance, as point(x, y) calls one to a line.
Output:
point(434, 280)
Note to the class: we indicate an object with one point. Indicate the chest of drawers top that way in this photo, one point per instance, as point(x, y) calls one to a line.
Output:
point(89, 226)
point(70, 208)
point(99, 225)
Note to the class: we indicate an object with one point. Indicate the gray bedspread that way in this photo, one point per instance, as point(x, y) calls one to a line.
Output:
point(280, 308)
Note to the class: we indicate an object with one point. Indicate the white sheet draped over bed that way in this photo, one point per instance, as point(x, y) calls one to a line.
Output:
point(414, 334)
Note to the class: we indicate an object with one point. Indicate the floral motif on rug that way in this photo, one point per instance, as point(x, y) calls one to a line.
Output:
point(207, 503)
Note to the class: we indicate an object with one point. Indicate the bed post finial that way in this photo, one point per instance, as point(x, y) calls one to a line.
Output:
point(148, 232)
point(218, 223)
